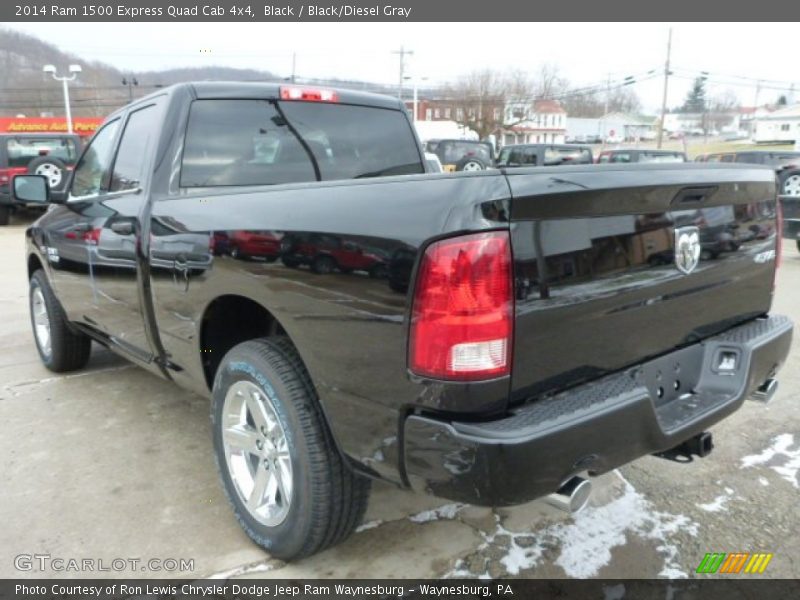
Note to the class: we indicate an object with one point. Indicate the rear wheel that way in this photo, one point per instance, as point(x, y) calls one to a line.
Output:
point(471, 164)
point(323, 265)
point(290, 488)
point(5, 214)
point(53, 169)
point(60, 347)
point(790, 184)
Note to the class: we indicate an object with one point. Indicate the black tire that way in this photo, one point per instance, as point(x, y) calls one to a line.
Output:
point(290, 262)
point(69, 349)
point(53, 165)
point(798, 245)
point(237, 254)
point(379, 271)
point(470, 164)
point(5, 214)
point(784, 183)
point(328, 498)
point(323, 264)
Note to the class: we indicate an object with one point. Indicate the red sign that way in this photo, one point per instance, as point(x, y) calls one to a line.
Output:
point(84, 126)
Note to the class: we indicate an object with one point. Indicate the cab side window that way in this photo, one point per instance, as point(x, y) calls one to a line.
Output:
point(130, 167)
point(91, 174)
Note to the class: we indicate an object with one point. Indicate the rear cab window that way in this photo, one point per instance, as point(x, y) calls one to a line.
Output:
point(267, 142)
point(21, 151)
point(661, 157)
point(518, 156)
point(567, 155)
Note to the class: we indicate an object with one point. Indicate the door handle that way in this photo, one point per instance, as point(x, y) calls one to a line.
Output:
point(122, 227)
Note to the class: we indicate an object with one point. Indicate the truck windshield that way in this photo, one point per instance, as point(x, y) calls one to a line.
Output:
point(260, 142)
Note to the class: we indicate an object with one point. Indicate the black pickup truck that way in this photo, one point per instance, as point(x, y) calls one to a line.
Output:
point(519, 336)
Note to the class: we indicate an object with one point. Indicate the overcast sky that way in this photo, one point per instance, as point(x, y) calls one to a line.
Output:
point(735, 55)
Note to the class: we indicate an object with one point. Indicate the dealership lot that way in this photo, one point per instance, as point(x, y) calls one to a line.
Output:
point(114, 463)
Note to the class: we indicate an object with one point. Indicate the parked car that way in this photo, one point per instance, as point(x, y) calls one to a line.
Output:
point(325, 253)
point(522, 337)
point(636, 155)
point(462, 155)
point(786, 165)
point(255, 244)
point(531, 155)
point(48, 154)
point(791, 218)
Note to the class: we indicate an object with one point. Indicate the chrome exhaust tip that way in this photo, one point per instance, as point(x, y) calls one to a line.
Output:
point(572, 496)
point(766, 391)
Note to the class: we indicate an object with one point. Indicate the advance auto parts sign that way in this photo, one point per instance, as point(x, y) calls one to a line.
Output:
point(81, 125)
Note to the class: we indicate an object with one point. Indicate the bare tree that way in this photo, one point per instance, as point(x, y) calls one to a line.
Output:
point(490, 101)
point(721, 108)
point(593, 103)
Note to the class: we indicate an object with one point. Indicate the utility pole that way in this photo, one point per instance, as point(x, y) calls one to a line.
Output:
point(666, 85)
point(402, 53)
point(130, 83)
point(294, 64)
point(604, 132)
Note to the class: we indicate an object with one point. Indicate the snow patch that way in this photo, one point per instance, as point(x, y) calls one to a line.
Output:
point(763, 481)
point(586, 543)
point(781, 448)
point(718, 503)
point(587, 540)
point(448, 511)
point(248, 569)
point(369, 525)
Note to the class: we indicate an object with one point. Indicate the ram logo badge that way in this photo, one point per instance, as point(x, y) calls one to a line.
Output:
point(687, 249)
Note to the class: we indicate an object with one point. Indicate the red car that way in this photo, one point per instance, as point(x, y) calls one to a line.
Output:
point(326, 253)
point(246, 244)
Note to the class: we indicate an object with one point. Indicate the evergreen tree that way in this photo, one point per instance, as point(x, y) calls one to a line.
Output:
point(696, 98)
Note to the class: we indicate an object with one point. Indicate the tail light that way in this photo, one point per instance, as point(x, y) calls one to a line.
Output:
point(92, 237)
point(308, 94)
point(463, 309)
point(7, 174)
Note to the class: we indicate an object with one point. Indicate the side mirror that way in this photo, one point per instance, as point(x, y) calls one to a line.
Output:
point(31, 188)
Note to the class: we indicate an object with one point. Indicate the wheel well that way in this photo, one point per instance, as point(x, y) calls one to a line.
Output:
point(34, 264)
point(228, 321)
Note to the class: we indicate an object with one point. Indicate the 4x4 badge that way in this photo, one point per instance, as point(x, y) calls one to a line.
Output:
point(687, 248)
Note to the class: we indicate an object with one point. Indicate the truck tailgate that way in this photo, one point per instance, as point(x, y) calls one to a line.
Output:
point(599, 284)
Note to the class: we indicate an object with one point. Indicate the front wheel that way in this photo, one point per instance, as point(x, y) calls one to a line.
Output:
point(290, 488)
point(5, 214)
point(60, 347)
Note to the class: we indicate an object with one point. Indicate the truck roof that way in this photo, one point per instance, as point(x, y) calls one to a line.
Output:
point(246, 90)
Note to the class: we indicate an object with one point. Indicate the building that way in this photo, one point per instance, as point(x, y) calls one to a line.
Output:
point(523, 122)
point(782, 125)
point(539, 122)
point(628, 127)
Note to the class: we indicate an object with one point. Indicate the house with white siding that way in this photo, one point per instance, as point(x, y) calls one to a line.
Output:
point(782, 125)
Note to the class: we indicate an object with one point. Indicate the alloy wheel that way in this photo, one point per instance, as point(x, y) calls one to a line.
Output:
point(257, 453)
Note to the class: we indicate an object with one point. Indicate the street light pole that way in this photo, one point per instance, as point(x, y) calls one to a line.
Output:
point(74, 69)
point(664, 97)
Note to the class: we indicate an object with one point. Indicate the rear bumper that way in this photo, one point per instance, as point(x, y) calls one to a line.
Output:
point(594, 427)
